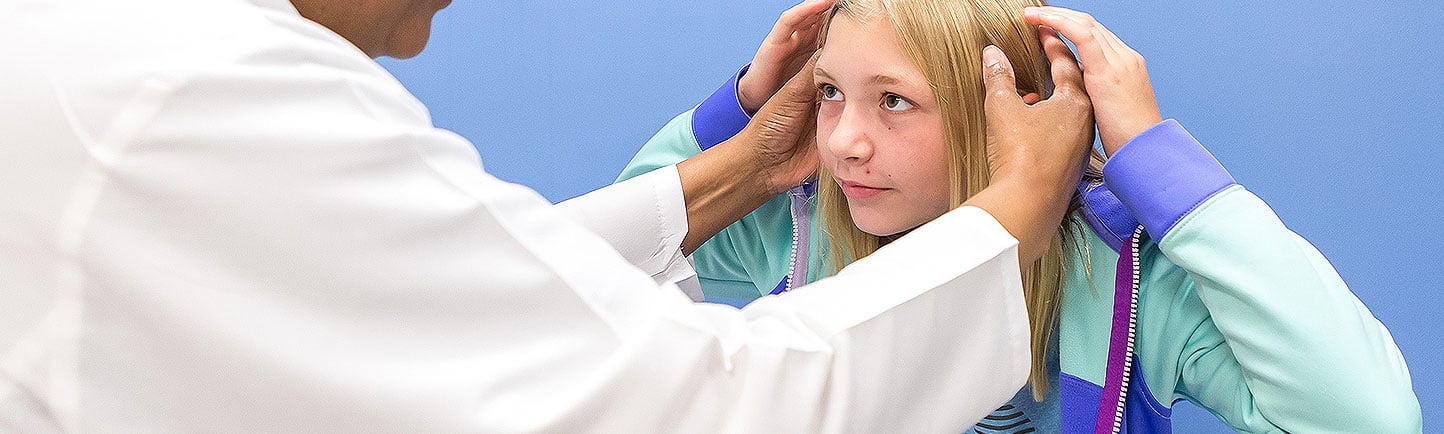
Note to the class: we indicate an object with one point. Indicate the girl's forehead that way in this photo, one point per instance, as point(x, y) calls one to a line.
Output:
point(867, 49)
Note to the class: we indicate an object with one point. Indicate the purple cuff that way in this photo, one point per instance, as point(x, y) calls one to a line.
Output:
point(1110, 220)
point(1162, 175)
point(720, 116)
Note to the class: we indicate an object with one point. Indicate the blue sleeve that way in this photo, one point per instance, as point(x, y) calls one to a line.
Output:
point(1162, 175)
point(720, 116)
point(1285, 344)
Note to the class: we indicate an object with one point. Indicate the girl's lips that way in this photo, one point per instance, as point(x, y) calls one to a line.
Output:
point(854, 190)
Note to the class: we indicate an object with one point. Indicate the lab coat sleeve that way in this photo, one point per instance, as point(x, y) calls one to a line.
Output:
point(1287, 346)
point(644, 219)
point(274, 247)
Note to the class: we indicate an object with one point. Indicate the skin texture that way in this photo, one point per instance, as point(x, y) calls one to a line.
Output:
point(879, 131)
point(395, 28)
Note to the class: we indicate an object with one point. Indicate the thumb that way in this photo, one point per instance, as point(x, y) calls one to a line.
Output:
point(998, 80)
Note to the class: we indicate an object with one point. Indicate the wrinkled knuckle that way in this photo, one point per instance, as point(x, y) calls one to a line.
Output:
point(992, 70)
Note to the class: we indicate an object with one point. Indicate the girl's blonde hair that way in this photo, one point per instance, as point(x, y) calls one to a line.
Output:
point(945, 39)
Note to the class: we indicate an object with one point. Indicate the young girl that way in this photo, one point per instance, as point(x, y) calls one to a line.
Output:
point(1168, 282)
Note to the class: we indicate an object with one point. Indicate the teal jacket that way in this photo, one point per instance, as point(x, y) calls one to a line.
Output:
point(1227, 308)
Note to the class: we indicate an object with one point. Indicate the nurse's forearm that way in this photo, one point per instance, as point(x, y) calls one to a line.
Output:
point(720, 186)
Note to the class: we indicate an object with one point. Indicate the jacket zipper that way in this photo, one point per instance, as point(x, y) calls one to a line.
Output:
point(1116, 425)
point(798, 255)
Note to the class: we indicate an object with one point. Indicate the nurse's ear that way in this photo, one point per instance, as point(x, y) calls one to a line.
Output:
point(1031, 98)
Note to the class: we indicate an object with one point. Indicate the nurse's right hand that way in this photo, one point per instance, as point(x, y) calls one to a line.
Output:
point(785, 50)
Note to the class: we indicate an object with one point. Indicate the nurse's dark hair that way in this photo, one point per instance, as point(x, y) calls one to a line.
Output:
point(945, 39)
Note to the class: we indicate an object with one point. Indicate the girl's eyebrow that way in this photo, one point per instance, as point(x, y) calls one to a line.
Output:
point(876, 79)
point(883, 79)
point(817, 70)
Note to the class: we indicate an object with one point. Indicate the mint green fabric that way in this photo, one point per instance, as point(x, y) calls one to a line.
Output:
point(1246, 319)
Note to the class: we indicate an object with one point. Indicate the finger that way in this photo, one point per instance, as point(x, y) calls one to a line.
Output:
point(1093, 48)
point(1066, 75)
point(1115, 47)
point(806, 35)
point(1101, 33)
point(812, 25)
point(998, 80)
point(808, 39)
point(798, 17)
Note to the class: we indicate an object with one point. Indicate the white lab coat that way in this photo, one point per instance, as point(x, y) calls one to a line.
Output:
point(216, 215)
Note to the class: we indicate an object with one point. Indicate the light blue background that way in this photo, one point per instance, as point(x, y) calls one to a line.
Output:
point(1328, 110)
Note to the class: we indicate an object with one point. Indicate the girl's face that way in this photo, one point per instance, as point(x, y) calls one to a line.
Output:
point(879, 130)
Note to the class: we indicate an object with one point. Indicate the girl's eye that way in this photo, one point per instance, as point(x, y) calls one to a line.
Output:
point(830, 92)
point(896, 103)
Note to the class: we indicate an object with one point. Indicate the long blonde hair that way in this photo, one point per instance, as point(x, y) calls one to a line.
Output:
point(945, 39)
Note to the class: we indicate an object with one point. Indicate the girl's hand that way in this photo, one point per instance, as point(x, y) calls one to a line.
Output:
point(790, 44)
point(1113, 74)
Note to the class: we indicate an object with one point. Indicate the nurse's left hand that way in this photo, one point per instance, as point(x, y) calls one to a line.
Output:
point(792, 41)
point(773, 153)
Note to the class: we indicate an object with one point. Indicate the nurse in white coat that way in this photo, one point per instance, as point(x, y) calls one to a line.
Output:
point(222, 215)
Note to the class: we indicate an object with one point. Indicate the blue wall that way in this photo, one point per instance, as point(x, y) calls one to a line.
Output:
point(1328, 110)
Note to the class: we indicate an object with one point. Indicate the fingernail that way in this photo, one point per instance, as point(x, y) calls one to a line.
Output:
point(992, 57)
point(1032, 10)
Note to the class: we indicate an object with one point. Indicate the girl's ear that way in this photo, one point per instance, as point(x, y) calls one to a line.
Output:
point(1031, 98)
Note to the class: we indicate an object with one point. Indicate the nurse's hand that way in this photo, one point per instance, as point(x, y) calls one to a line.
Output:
point(1115, 75)
point(792, 41)
point(775, 152)
point(1036, 149)
point(782, 136)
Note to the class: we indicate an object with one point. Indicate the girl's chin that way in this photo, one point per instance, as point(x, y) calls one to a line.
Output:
point(884, 226)
point(881, 229)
